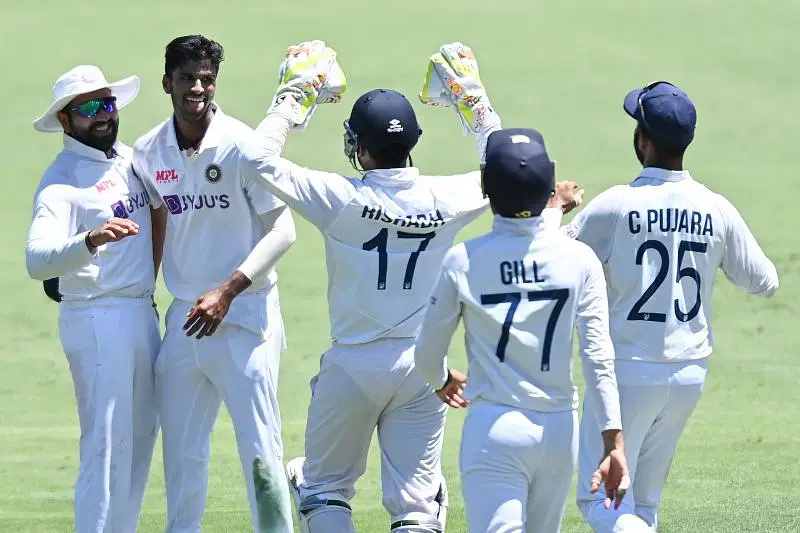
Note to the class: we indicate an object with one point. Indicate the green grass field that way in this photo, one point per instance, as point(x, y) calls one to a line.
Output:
point(560, 66)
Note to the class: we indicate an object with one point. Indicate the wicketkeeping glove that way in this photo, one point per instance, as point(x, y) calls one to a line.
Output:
point(308, 76)
point(453, 80)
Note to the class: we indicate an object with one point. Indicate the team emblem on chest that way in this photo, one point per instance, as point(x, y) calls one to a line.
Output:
point(213, 173)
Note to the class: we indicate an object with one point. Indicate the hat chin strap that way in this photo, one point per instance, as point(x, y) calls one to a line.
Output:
point(354, 158)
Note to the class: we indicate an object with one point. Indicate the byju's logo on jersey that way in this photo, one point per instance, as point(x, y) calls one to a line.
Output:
point(125, 208)
point(177, 204)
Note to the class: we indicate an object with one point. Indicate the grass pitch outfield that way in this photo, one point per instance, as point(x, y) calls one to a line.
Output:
point(562, 67)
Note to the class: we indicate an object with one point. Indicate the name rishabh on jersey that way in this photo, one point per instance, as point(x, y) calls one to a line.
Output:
point(522, 289)
point(663, 237)
point(213, 205)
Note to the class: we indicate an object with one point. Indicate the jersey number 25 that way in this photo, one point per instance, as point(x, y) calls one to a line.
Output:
point(636, 312)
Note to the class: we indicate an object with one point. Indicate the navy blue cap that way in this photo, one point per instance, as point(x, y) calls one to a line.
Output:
point(664, 112)
point(382, 117)
point(518, 176)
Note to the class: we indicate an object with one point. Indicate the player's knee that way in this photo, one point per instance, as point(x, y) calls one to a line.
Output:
point(325, 513)
point(603, 520)
point(421, 522)
point(416, 523)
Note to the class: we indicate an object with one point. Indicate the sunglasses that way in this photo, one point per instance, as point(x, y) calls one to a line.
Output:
point(90, 108)
point(646, 89)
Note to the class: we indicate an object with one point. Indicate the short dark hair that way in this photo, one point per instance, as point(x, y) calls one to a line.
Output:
point(189, 48)
point(390, 156)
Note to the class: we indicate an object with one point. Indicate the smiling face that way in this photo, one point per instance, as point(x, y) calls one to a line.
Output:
point(191, 86)
point(92, 119)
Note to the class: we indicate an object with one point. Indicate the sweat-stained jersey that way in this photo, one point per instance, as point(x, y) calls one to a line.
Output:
point(522, 289)
point(663, 236)
point(385, 237)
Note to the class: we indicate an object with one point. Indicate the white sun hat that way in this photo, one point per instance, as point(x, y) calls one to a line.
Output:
point(81, 80)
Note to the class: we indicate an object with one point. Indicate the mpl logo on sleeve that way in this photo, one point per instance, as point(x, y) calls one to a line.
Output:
point(167, 176)
point(104, 185)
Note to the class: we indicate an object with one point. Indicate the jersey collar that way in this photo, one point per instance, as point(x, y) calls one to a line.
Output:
point(532, 226)
point(663, 174)
point(213, 134)
point(392, 177)
point(88, 152)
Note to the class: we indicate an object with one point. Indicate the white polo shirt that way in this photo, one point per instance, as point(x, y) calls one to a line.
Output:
point(79, 191)
point(213, 203)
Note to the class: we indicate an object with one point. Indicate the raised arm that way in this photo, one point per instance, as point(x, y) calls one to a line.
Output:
point(310, 75)
point(453, 80)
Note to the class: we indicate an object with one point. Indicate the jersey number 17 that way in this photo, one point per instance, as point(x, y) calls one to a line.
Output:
point(379, 242)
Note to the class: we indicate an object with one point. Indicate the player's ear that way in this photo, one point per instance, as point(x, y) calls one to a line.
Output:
point(165, 84)
point(63, 119)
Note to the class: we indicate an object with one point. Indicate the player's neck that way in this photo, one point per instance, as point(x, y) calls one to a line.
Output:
point(667, 163)
point(190, 134)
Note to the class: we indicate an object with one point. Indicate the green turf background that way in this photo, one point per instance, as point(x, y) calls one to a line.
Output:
point(560, 66)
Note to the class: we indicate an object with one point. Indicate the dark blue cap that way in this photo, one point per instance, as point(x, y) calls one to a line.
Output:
point(382, 117)
point(518, 176)
point(664, 112)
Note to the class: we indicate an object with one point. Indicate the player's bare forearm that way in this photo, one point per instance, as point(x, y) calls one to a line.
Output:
point(158, 219)
point(235, 285)
point(207, 314)
point(612, 440)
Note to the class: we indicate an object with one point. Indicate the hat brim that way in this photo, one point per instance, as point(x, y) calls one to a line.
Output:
point(125, 90)
point(631, 104)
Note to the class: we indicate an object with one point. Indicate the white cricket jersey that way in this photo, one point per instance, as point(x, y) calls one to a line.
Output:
point(662, 238)
point(522, 290)
point(385, 237)
point(79, 192)
point(213, 203)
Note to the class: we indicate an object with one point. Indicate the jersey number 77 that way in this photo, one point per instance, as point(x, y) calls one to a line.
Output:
point(514, 298)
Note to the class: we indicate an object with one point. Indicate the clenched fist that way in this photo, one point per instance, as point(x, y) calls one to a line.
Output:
point(113, 230)
point(568, 196)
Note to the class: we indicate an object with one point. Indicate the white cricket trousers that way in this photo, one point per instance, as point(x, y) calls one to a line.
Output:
point(516, 468)
point(111, 345)
point(654, 416)
point(363, 387)
point(239, 365)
